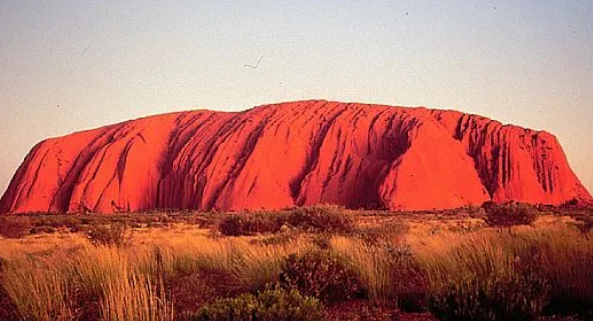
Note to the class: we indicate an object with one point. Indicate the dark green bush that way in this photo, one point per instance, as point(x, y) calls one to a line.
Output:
point(234, 225)
point(252, 223)
point(15, 227)
point(323, 275)
point(499, 297)
point(43, 229)
point(509, 214)
point(325, 218)
point(270, 305)
point(321, 218)
point(114, 234)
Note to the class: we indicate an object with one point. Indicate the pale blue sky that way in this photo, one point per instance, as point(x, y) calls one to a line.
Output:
point(68, 65)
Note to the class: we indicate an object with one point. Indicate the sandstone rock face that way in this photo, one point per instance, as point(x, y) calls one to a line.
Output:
point(298, 153)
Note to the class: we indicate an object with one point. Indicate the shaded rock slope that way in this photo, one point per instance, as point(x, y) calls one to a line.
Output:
point(297, 153)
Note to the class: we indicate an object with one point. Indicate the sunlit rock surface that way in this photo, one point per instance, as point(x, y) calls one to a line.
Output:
point(297, 153)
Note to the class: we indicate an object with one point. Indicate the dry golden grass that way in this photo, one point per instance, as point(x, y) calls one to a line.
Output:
point(62, 276)
point(40, 244)
point(49, 279)
point(373, 264)
point(552, 249)
point(133, 297)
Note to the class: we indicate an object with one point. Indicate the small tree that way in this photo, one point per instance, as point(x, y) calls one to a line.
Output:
point(509, 214)
point(115, 234)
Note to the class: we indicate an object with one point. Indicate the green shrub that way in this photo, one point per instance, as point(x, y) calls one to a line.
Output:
point(499, 297)
point(321, 218)
point(323, 275)
point(114, 234)
point(325, 218)
point(509, 214)
point(15, 227)
point(270, 305)
point(252, 223)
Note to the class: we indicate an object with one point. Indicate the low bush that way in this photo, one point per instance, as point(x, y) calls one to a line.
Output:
point(270, 305)
point(15, 227)
point(325, 218)
point(321, 218)
point(322, 274)
point(252, 223)
point(43, 229)
point(509, 214)
point(114, 234)
point(566, 258)
point(486, 277)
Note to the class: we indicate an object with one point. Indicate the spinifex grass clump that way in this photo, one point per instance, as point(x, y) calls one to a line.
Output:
point(273, 304)
point(484, 279)
point(132, 297)
point(117, 234)
point(322, 218)
point(66, 285)
point(509, 214)
point(565, 258)
point(503, 295)
point(388, 272)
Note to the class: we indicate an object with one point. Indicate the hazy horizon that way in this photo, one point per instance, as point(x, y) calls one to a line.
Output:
point(67, 67)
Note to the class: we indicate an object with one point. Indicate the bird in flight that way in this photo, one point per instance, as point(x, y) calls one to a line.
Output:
point(85, 49)
point(256, 65)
